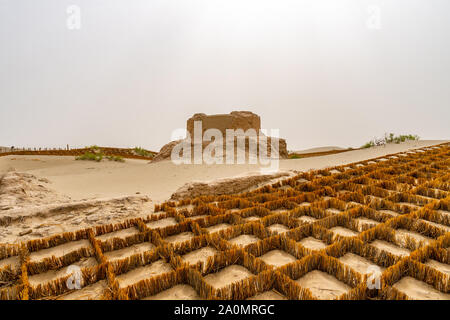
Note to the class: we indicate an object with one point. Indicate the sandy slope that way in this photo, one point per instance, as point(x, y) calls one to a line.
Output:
point(86, 180)
point(319, 149)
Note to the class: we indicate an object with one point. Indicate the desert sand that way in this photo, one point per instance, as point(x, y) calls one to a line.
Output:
point(419, 290)
point(323, 285)
point(82, 180)
point(319, 149)
point(46, 195)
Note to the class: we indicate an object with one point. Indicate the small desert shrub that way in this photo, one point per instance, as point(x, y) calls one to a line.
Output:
point(115, 158)
point(142, 152)
point(90, 156)
point(368, 144)
point(390, 138)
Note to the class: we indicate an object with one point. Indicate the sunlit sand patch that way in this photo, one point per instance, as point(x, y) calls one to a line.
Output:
point(389, 212)
point(202, 216)
point(322, 285)
point(313, 243)
point(145, 272)
point(227, 276)
point(358, 263)
point(343, 232)
point(278, 228)
point(391, 248)
point(352, 204)
point(61, 250)
point(163, 223)
point(365, 223)
point(419, 290)
point(198, 255)
point(51, 275)
point(178, 292)
point(280, 211)
point(305, 204)
point(411, 205)
point(439, 266)
point(218, 227)
point(244, 240)
point(252, 218)
point(268, 295)
point(402, 234)
point(437, 225)
point(124, 233)
point(188, 207)
point(444, 212)
point(181, 237)
point(333, 211)
point(277, 258)
point(129, 251)
point(306, 219)
point(91, 292)
point(13, 262)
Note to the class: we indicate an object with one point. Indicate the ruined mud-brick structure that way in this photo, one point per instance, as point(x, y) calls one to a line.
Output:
point(235, 120)
point(244, 120)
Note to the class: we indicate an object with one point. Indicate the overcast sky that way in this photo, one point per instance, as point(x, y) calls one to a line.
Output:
point(323, 72)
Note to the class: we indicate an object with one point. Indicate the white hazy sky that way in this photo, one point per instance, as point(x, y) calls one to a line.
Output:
point(136, 70)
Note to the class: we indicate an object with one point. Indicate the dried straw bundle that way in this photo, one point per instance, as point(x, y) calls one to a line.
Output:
point(280, 242)
point(290, 288)
point(380, 232)
point(390, 293)
point(120, 243)
point(204, 240)
point(254, 211)
point(311, 211)
point(280, 218)
point(421, 227)
point(424, 191)
point(59, 286)
point(417, 270)
point(56, 240)
point(149, 287)
point(434, 252)
point(186, 226)
point(8, 250)
point(11, 293)
point(356, 246)
point(229, 218)
point(248, 287)
point(208, 209)
point(54, 263)
point(330, 265)
point(101, 259)
point(250, 228)
point(108, 228)
point(330, 203)
point(409, 198)
point(134, 261)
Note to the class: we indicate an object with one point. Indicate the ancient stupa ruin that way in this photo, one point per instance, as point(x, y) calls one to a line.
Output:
point(236, 120)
